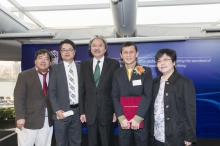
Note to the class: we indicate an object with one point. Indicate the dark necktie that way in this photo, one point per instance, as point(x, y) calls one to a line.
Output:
point(97, 73)
point(44, 82)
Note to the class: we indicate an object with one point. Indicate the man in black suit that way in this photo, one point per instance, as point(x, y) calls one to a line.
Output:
point(64, 95)
point(130, 81)
point(96, 106)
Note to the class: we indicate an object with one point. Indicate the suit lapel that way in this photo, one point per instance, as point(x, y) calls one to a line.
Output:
point(63, 74)
point(105, 68)
point(77, 69)
point(124, 74)
point(36, 80)
point(90, 71)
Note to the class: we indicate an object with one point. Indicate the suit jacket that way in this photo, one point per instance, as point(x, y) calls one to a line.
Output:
point(97, 101)
point(179, 110)
point(123, 87)
point(30, 100)
point(58, 88)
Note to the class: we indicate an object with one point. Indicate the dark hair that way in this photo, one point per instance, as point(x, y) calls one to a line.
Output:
point(43, 51)
point(169, 52)
point(67, 41)
point(98, 37)
point(127, 44)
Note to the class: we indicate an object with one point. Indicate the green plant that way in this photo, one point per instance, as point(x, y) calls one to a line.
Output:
point(7, 113)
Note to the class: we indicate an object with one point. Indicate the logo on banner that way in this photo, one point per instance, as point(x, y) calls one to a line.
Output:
point(55, 56)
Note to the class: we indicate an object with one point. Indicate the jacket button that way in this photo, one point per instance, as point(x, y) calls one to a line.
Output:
point(168, 119)
point(166, 94)
point(167, 106)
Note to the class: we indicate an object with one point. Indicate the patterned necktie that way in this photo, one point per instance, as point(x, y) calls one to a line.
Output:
point(129, 73)
point(72, 93)
point(44, 82)
point(97, 73)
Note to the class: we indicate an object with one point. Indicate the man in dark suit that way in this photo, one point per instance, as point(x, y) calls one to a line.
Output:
point(129, 81)
point(96, 106)
point(64, 96)
point(32, 107)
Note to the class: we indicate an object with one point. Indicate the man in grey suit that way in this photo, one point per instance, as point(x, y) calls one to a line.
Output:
point(32, 106)
point(130, 81)
point(96, 106)
point(64, 95)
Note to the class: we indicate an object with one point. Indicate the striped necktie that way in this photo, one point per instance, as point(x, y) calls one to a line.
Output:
point(72, 93)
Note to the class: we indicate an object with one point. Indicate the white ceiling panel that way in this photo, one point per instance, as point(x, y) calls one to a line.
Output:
point(178, 14)
point(26, 3)
point(74, 18)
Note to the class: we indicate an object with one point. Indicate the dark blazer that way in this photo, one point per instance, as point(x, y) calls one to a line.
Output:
point(58, 88)
point(97, 102)
point(30, 100)
point(123, 87)
point(179, 110)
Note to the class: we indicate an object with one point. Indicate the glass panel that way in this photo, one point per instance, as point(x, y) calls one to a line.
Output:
point(6, 4)
point(16, 14)
point(9, 71)
point(178, 14)
point(74, 18)
point(25, 3)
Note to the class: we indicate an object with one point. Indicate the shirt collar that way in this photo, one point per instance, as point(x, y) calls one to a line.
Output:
point(101, 60)
point(38, 69)
point(66, 64)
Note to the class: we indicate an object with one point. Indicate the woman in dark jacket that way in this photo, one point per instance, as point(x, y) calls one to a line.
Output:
point(173, 108)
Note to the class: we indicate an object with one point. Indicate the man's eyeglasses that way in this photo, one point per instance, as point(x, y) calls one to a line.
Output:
point(164, 60)
point(94, 46)
point(68, 50)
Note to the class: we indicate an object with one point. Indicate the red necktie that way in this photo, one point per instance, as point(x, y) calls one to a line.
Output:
point(44, 82)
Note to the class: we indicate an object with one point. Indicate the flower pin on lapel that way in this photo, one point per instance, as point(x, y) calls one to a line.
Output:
point(139, 70)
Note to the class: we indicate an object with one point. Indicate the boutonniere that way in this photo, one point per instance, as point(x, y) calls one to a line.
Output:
point(139, 70)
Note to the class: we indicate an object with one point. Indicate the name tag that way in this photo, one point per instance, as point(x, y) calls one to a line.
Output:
point(136, 82)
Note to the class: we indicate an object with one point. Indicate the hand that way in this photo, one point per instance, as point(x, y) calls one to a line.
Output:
point(125, 124)
point(134, 125)
point(20, 123)
point(114, 118)
point(83, 118)
point(60, 114)
point(187, 143)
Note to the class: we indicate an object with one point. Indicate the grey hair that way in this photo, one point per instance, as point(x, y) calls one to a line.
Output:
point(98, 37)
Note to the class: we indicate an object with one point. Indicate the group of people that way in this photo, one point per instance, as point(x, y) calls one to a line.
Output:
point(68, 94)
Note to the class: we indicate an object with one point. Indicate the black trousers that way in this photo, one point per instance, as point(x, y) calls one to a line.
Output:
point(140, 136)
point(158, 143)
point(99, 135)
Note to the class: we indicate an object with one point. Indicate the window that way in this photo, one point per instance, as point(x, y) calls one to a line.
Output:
point(9, 71)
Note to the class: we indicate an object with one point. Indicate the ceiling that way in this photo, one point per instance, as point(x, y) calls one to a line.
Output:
point(79, 20)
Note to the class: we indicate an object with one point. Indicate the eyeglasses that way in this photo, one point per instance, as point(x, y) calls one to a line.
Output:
point(164, 60)
point(94, 46)
point(68, 50)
